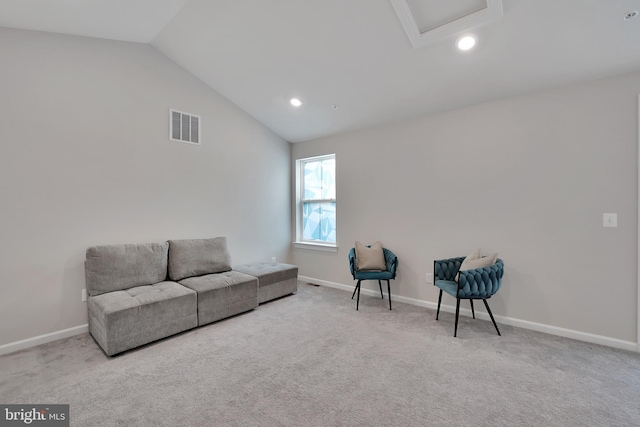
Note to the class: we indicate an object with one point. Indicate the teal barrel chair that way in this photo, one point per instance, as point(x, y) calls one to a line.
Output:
point(390, 273)
point(480, 283)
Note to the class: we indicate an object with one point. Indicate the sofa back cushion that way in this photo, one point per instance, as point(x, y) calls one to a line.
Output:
point(118, 267)
point(196, 257)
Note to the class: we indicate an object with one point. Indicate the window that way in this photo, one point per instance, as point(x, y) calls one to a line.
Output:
point(316, 200)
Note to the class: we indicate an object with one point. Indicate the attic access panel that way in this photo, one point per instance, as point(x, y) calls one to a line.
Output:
point(432, 21)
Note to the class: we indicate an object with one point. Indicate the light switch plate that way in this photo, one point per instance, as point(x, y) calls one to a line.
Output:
point(610, 220)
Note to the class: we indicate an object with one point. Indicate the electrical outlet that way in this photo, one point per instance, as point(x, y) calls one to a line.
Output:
point(429, 278)
point(83, 296)
point(273, 259)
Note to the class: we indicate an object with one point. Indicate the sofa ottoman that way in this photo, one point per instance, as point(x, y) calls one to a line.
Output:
point(130, 303)
point(274, 279)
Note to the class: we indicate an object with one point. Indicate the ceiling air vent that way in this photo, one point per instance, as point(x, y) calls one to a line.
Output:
point(184, 127)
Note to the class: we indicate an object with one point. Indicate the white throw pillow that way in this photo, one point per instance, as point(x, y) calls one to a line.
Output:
point(476, 261)
point(370, 258)
point(477, 254)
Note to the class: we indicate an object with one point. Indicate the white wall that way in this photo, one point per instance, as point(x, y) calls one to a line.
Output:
point(528, 177)
point(85, 160)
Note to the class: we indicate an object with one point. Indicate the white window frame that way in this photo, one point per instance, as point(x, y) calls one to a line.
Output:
point(311, 244)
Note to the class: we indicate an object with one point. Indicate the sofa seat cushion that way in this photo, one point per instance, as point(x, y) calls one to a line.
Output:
point(223, 295)
point(274, 279)
point(122, 320)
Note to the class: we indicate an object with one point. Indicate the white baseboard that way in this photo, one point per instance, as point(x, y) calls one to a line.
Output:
point(525, 324)
point(42, 339)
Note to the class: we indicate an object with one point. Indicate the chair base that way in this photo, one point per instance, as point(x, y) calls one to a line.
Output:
point(473, 313)
point(357, 289)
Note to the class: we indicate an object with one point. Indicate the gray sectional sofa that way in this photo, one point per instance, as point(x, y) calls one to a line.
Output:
point(139, 293)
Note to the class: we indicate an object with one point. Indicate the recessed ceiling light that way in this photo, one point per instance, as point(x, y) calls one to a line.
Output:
point(295, 102)
point(630, 15)
point(466, 42)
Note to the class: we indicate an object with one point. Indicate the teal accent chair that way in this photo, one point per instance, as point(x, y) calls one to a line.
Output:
point(390, 273)
point(479, 283)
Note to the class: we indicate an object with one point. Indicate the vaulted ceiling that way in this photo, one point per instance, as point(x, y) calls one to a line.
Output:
point(353, 62)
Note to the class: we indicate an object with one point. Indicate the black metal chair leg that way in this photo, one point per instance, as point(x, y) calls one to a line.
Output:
point(473, 312)
point(439, 300)
point(358, 301)
point(491, 315)
point(389, 290)
point(381, 294)
point(455, 331)
point(355, 289)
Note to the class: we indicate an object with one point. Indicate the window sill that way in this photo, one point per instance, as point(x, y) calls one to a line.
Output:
point(315, 246)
